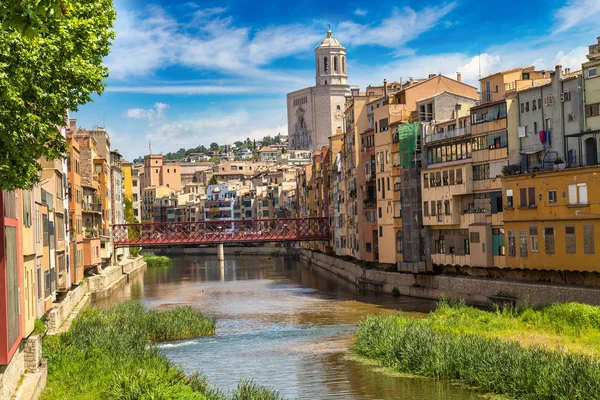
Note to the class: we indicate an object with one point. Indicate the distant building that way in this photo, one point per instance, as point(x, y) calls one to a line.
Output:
point(269, 154)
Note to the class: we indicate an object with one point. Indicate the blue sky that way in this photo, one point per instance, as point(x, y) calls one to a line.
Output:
point(185, 73)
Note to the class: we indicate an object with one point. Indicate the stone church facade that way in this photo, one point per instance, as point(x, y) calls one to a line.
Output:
point(316, 112)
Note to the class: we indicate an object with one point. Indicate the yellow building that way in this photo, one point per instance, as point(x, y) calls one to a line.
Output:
point(551, 220)
point(127, 167)
point(28, 248)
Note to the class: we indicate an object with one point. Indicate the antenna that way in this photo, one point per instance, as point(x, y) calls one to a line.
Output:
point(479, 59)
point(150, 146)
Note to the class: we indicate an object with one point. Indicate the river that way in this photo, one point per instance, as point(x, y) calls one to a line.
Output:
point(282, 323)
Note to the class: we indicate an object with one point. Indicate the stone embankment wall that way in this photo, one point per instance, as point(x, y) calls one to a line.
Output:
point(480, 291)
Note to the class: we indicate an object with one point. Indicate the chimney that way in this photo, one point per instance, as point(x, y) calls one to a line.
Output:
point(459, 76)
point(558, 71)
point(410, 81)
point(385, 93)
point(567, 70)
point(432, 76)
point(598, 38)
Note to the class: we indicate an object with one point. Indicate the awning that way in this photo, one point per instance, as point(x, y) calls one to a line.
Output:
point(531, 151)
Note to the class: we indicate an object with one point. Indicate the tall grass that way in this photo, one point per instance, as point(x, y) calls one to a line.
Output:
point(110, 354)
point(153, 261)
point(463, 343)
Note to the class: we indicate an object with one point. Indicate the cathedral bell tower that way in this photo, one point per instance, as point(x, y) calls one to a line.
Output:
point(331, 62)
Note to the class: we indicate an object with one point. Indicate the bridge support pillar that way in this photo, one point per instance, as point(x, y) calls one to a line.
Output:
point(221, 253)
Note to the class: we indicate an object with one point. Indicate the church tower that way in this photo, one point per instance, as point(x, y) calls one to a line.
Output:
point(315, 113)
point(331, 62)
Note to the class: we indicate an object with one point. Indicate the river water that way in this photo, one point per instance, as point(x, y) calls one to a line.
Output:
point(282, 323)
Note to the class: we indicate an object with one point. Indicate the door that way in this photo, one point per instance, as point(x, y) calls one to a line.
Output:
point(591, 152)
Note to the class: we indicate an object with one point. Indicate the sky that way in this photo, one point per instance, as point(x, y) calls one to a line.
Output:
point(188, 73)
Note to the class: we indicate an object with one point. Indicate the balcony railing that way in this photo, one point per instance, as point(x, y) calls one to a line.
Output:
point(448, 134)
point(91, 207)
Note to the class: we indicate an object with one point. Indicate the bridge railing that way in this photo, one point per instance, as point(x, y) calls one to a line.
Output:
point(181, 233)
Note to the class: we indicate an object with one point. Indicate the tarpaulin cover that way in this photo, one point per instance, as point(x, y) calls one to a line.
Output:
point(408, 134)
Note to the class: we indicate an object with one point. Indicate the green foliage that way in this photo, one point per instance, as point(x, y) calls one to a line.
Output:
point(154, 261)
point(526, 353)
point(51, 61)
point(214, 146)
point(39, 327)
point(132, 231)
point(110, 354)
point(213, 180)
point(395, 292)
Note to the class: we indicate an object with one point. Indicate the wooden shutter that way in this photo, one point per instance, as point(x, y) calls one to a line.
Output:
point(570, 239)
point(572, 194)
point(523, 197)
point(474, 236)
point(583, 195)
point(549, 240)
point(531, 196)
point(588, 239)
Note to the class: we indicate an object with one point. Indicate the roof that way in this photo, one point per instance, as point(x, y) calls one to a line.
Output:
point(537, 83)
point(448, 92)
point(529, 67)
point(268, 148)
point(330, 41)
point(571, 75)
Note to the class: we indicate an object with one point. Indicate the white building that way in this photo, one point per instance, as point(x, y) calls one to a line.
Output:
point(315, 113)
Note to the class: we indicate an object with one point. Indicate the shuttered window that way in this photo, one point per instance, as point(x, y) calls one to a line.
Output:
point(459, 176)
point(523, 197)
point(512, 244)
point(452, 177)
point(523, 243)
point(531, 197)
point(582, 189)
point(572, 194)
point(27, 208)
point(426, 208)
point(474, 237)
point(588, 239)
point(549, 240)
point(570, 240)
point(533, 233)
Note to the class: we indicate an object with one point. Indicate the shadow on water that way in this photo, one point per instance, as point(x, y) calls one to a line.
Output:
point(282, 322)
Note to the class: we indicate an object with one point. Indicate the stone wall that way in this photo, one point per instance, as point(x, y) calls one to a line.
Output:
point(480, 291)
point(61, 311)
point(128, 266)
point(10, 374)
point(33, 353)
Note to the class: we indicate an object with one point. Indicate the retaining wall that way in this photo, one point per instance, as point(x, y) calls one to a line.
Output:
point(229, 250)
point(480, 291)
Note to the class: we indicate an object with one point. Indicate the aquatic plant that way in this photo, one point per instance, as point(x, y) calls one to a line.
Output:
point(153, 261)
point(477, 347)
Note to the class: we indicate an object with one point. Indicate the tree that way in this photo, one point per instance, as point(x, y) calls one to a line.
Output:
point(239, 144)
point(138, 160)
point(213, 180)
point(202, 149)
point(51, 61)
point(214, 146)
point(133, 232)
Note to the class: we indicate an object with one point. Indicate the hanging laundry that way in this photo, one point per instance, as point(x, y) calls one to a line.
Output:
point(542, 136)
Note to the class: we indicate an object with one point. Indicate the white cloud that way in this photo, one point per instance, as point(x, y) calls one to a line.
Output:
point(402, 26)
point(576, 13)
point(361, 12)
point(152, 114)
point(183, 89)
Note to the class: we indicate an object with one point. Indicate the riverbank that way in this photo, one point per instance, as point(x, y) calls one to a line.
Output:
point(478, 291)
point(550, 352)
point(112, 353)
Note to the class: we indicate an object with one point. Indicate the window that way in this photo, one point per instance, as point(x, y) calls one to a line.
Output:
point(570, 240)
point(498, 242)
point(592, 73)
point(588, 239)
point(533, 234)
point(135, 197)
point(481, 172)
point(525, 76)
point(551, 196)
point(578, 194)
point(380, 214)
point(523, 197)
point(447, 207)
point(527, 106)
point(512, 244)
point(480, 143)
point(549, 240)
point(325, 65)
point(426, 208)
point(459, 176)
point(531, 191)
point(399, 242)
point(522, 107)
point(380, 231)
point(523, 243)
point(452, 177)
point(445, 178)
point(433, 208)
point(425, 181)
point(509, 198)
point(592, 110)
point(467, 246)
point(27, 208)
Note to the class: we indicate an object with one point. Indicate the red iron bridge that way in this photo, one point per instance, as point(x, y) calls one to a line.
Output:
point(218, 232)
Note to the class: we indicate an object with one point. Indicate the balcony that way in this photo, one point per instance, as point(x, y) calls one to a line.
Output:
point(370, 203)
point(91, 207)
point(448, 134)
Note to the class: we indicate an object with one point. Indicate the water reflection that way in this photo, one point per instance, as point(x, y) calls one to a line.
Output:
point(283, 323)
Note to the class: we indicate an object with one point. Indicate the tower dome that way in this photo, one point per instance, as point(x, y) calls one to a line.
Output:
point(330, 58)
